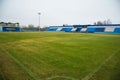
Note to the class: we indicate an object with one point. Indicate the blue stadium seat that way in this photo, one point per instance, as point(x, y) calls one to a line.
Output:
point(78, 29)
point(63, 29)
point(117, 30)
point(47, 29)
point(99, 29)
point(66, 29)
point(52, 29)
point(91, 30)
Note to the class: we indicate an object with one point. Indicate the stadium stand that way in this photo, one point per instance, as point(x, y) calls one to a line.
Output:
point(83, 30)
point(104, 28)
point(63, 29)
point(59, 29)
point(109, 29)
point(52, 29)
point(117, 30)
point(99, 29)
point(74, 29)
point(91, 30)
point(66, 29)
point(78, 29)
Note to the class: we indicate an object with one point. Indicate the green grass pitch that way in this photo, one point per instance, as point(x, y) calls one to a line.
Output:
point(59, 56)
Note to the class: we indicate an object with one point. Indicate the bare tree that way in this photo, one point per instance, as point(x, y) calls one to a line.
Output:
point(108, 21)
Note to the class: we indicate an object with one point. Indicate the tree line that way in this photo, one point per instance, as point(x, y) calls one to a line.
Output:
point(31, 27)
point(108, 21)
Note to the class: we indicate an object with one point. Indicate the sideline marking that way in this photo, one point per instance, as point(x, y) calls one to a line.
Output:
point(99, 67)
point(30, 73)
point(65, 77)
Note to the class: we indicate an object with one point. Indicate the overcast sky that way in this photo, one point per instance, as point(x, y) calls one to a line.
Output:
point(59, 12)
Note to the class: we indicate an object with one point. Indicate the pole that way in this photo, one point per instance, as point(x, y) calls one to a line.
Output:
point(39, 20)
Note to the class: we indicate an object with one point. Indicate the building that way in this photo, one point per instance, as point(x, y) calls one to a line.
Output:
point(9, 27)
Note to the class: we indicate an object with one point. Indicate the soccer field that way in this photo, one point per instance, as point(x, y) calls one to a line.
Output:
point(59, 56)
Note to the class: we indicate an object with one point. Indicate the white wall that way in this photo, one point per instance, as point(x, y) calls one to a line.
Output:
point(59, 29)
point(0, 28)
point(109, 29)
point(74, 29)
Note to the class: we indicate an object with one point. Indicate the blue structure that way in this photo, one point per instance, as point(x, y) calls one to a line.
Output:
point(66, 29)
point(11, 29)
point(99, 29)
point(117, 30)
point(91, 30)
point(52, 28)
point(78, 29)
point(63, 29)
point(107, 28)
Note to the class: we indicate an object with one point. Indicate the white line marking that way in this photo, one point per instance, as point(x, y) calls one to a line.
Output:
point(97, 69)
point(29, 72)
point(65, 77)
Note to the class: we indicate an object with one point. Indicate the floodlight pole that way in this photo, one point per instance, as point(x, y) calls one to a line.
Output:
point(39, 20)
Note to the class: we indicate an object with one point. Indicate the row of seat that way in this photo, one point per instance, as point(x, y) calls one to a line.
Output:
point(107, 29)
point(89, 30)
